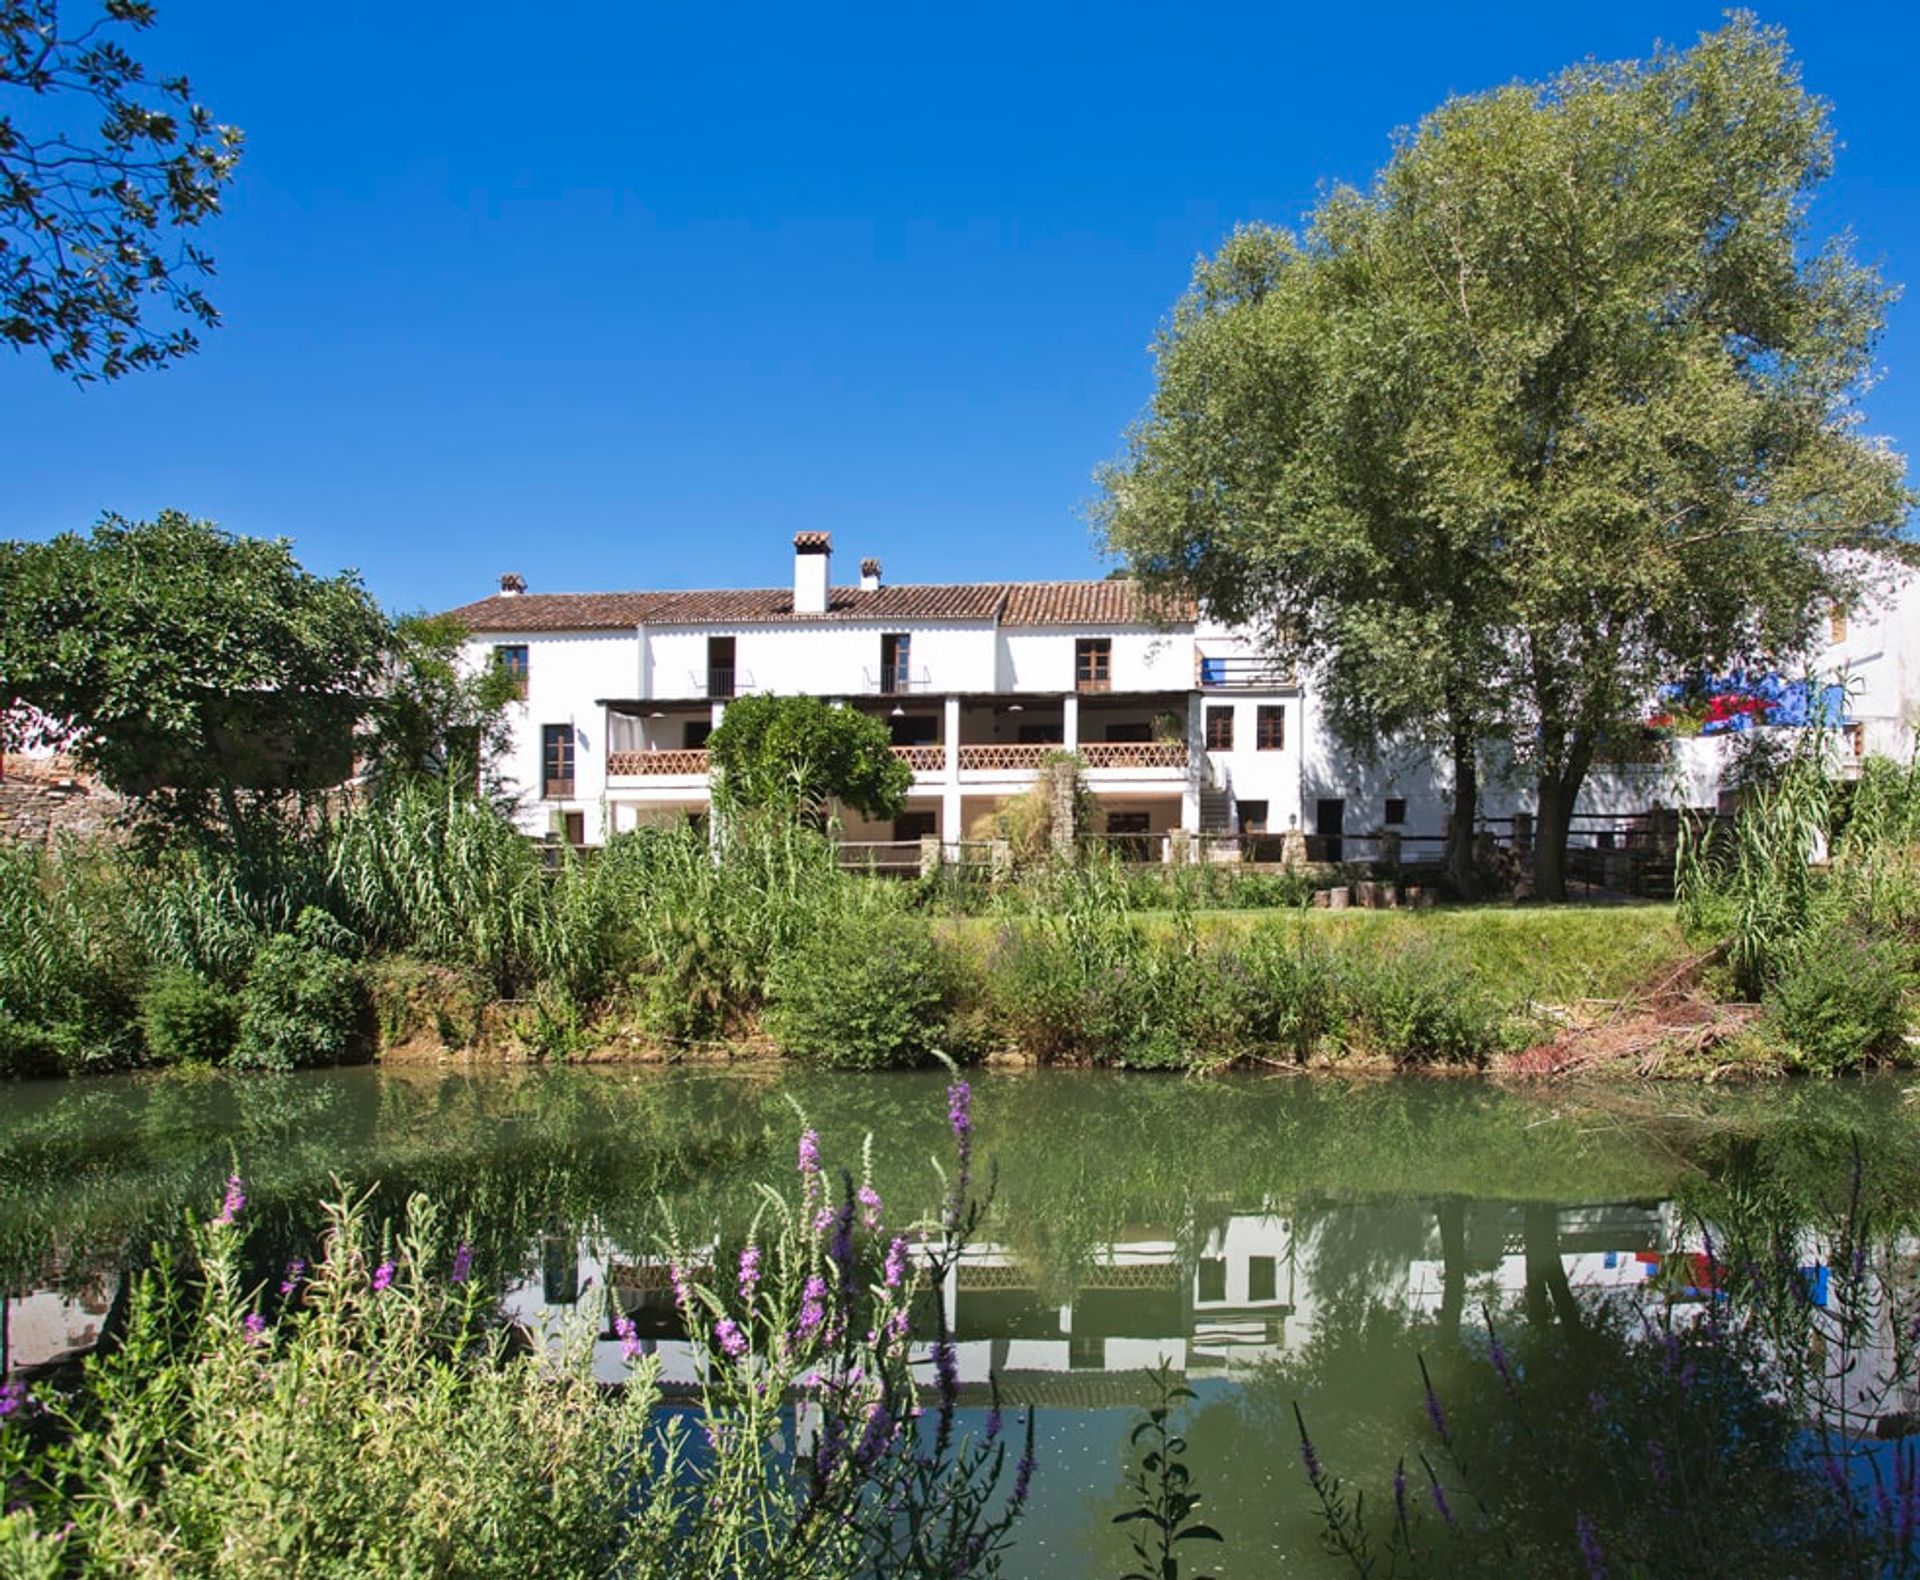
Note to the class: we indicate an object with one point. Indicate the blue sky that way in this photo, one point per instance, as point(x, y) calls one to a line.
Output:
point(624, 295)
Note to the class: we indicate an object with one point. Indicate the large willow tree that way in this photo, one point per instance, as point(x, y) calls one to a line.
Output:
point(1563, 405)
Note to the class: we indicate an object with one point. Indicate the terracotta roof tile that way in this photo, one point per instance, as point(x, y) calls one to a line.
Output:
point(1011, 603)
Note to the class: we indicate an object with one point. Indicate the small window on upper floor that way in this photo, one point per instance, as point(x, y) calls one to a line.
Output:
point(512, 660)
point(1836, 624)
point(1093, 663)
point(1211, 1286)
point(1396, 811)
point(1220, 729)
point(1270, 728)
point(1263, 1278)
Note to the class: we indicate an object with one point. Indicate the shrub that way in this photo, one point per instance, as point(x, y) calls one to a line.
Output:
point(302, 1003)
point(1417, 1007)
point(1292, 996)
point(1837, 1001)
point(865, 990)
point(188, 1020)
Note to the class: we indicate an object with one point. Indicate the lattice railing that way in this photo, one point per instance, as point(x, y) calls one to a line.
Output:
point(923, 759)
point(981, 758)
point(677, 761)
point(1135, 754)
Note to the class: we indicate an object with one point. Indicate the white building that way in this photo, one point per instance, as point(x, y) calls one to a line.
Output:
point(1181, 723)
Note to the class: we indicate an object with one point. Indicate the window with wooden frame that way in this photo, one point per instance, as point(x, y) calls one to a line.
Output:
point(1219, 729)
point(1270, 728)
point(511, 658)
point(896, 662)
point(556, 759)
point(1093, 663)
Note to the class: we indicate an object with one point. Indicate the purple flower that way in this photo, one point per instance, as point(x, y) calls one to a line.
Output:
point(235, 1199)
point(732, 1340)
point(960, 1109)
point(813, 1310)
point(1597, 1402)
point(1439, 1496)
point(382, 1277)
point(1400, 1491)
point(682, 1286)
point(296, 1270)
point(946, 1368)
point(13, 1397)
point(624, 1331)
point(1497, 1354)
point(878, 1433)
point(1657, 1461)
point(1688, 1373)
point(749, 1271)
point(1309, 1456)
point(993, 1423)
point(896, 1265)
point(1022, 1482)
point(256, 1326)
point(840, 1248)
point(869, 1200)
point(462, 1263)
point(809, 1152)
point(1589, 1540)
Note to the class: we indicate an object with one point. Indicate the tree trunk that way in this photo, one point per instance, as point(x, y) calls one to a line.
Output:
point(1462, 882)
point(1546, 1273)
point(1558, 792)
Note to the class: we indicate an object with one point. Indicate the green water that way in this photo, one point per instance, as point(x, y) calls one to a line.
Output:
point(1276, 1241)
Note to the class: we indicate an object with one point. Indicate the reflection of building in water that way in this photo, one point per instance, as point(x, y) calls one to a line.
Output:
point(1207, 1302)
point(47, 1326)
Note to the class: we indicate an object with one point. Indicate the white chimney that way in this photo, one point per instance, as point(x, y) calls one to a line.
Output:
point(869, 575)
point(812, 555)
point(512, 584)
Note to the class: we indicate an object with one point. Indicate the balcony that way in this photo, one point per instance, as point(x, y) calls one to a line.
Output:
point(641, 765)
point(1243, 672)
point(897, 681)
point(923, 759)
point(558, 789)
point(1001, 757)
point(1168, 755)
point(719, 684)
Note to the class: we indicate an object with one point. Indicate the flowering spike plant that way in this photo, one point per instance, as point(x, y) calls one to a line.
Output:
point(371, 1412)
point(828, 1441)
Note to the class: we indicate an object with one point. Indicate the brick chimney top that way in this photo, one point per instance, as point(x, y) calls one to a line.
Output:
point(869, 574)
point(813, 543)
point(511, 584)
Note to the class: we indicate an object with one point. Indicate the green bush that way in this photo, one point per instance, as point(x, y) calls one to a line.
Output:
point(187, 1020)
point(1837, 1001)
point(1291, 994)
point(302, 1002)
point(865, 990)
point(1418, 1007)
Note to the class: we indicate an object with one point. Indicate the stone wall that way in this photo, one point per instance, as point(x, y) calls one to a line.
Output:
point(42, 798)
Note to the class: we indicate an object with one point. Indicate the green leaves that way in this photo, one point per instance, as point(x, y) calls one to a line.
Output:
point(1162, 1488)
point(792, 755)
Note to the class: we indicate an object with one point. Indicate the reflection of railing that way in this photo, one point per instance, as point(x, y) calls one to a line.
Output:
point(1135, 754)
point(981, 758)
point(923, 759)
point(677, 761)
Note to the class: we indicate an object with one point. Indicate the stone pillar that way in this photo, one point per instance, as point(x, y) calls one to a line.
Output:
point(1000, 855)
point(1060, 786)
point(929, 855)
point(1293, 850)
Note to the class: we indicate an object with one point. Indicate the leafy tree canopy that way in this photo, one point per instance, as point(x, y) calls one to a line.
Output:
point(104, 176)
point(1565, 404)
point(198, 671)
point(432, 719)
point(794, 754)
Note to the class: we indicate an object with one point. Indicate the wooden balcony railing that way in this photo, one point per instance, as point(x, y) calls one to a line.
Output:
point(975, 759)
point(923, 759)
point(559, 789)
point(676, 761)
point(1135, 754)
